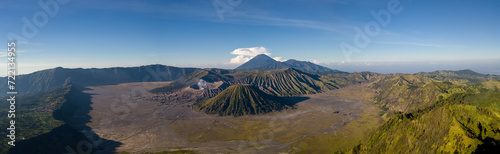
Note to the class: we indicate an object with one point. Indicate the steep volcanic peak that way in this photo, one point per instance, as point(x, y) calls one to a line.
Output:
point(264, 57)
point(257, 61)
point(238, 100)
point(264, 62)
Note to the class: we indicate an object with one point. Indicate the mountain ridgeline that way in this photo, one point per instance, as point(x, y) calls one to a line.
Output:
point(461, 77)
point(49, 79)
point(287, 82)
point(238, 100)
point(264, 62)
point(411, 92)
point(279, 82)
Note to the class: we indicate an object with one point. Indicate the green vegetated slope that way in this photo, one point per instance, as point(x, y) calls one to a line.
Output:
point(462, 119)
point(449, 128)
point(54, 122)
point(408, 93)
point(345, 79)
point(461, 77)
point(238, 100)
point(33, 115)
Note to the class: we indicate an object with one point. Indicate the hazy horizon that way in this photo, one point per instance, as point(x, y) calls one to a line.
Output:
point(376, 67)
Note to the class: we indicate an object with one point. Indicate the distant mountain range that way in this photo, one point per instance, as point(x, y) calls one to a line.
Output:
point(52, 78)
point(49, 79)
point(278, 82)
point(277, 78)
point(466, 76)
point(425, 87)
point(264, 62)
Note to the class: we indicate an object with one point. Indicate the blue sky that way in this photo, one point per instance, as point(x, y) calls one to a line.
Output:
point(425, 35)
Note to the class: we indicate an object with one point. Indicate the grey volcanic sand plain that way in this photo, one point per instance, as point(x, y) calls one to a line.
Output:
point(124, 113)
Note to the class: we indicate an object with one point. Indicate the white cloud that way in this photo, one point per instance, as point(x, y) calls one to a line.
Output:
point(315, 62)
point(245, 54)
point(254, 51)
point(240, 59)
point(279, 59)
